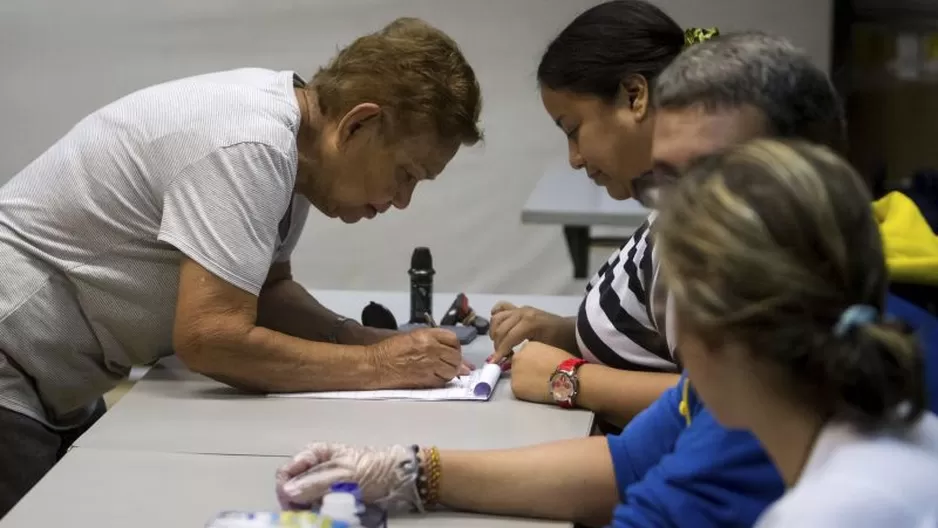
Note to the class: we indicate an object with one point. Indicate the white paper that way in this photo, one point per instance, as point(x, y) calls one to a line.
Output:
point(478, 385)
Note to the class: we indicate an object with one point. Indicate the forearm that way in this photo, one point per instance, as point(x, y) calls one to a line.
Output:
point(264, 360)
point(619, 395)
point(571, 480)
point(285, 306)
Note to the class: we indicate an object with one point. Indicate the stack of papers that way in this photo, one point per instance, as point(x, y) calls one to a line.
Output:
point(478, 385)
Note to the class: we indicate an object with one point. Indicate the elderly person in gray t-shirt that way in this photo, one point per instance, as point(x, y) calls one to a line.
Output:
point(165, 222)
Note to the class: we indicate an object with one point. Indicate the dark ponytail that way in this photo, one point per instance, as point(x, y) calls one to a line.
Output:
point(872, 375)
point(606, 44)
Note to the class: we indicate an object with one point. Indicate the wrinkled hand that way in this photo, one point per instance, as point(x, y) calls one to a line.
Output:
point(511, 325)
point(427, 358)
point(387, 476)
point(531, 369)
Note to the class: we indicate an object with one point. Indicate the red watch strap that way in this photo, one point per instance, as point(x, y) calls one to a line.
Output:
point(570, 365)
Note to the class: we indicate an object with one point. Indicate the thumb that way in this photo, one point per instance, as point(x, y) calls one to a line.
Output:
point(309, 488)
point(445, 337)
point(502, 306)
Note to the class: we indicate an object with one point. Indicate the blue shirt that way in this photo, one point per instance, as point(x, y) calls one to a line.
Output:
point(675, 469)
point(926, 328)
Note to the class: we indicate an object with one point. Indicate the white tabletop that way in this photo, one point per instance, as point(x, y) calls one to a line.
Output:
point(179, 447)
point(92, 488)
point(568, 197)
point(173, 410)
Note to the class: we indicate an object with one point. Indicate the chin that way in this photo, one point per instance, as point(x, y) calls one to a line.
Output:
point(351, 219)
point(618, 192)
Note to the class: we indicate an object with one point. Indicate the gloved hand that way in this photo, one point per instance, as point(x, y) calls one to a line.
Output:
point(386, 476)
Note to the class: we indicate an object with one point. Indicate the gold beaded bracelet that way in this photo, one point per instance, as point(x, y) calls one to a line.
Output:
point(429, 486)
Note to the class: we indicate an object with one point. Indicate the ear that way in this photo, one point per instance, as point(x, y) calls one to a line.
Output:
point(357, 119)
point(633, 94)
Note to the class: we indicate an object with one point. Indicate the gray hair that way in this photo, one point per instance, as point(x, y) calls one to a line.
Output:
point(761, 70)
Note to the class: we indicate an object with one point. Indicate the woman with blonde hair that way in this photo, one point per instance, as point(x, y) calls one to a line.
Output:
point(775, 265)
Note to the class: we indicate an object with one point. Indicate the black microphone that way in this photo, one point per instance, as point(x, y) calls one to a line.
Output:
point(421, 286)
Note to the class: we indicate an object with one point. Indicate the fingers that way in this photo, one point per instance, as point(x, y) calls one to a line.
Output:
point(502, 323)
point(308, 488)
point(502, 306)
point(445, 337)
point(451, 365)
point(510, 336)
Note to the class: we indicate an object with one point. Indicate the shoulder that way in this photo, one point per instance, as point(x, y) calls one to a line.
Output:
point(838, 501)
point(214, 110)
point(878, 481)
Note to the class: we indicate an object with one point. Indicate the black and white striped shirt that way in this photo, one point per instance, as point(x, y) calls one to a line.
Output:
point(618, 324)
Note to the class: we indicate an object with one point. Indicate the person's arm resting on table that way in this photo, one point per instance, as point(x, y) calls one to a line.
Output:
point(577, 480)
point(222, 212)
point(708, 477)
point(286, 306)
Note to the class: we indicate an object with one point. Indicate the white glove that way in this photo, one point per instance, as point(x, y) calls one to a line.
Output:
point(387, 476)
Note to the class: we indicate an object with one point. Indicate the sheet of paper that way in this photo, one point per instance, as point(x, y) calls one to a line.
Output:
point(478, 385)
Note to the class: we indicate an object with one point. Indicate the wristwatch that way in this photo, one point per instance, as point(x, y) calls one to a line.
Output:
point(565, 384)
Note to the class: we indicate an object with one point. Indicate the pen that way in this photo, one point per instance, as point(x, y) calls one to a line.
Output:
point(429, 319)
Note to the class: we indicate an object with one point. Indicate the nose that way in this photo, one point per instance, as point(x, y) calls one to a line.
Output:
point(576, 160)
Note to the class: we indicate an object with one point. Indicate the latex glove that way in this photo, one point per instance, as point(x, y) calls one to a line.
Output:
point(531, 369)
point(387, 476)
point(510, 325)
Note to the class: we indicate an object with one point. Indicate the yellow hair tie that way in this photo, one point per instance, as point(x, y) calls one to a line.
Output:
point(697, 35)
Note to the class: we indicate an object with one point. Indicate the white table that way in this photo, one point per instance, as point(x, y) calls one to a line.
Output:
point(569, 198)
point(174, 410)
point(93, 488)
point(179, 447)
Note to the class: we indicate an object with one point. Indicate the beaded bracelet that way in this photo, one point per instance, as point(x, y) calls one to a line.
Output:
point(428, 477)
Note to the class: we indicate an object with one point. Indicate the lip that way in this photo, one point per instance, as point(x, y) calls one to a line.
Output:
point(597, 177)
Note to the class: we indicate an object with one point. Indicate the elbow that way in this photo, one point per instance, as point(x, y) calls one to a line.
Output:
point(194, 352)
point(208, 351)
point(200, 346)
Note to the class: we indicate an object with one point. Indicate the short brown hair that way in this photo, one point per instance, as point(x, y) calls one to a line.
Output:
point(767, 245)
point(412, 68)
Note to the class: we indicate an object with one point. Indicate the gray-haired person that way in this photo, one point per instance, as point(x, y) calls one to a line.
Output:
point(673, 465)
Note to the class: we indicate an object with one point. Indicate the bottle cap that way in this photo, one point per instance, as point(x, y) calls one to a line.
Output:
point(347, 487)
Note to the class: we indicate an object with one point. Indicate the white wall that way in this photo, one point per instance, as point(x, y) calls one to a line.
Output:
point(60, 60)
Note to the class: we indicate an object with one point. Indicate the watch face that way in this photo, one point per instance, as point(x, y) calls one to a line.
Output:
point(562, 387)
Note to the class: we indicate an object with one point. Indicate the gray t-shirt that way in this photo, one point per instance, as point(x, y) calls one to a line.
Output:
point(93, 231)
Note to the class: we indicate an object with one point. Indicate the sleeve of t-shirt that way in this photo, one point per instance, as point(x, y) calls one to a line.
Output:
point(617, 307)
point(650, 436)
point(298, 214)
point(713, 477)
point(835, 502)
point(224, 210)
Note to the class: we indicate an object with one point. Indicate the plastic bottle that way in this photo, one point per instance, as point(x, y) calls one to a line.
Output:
point(341, 506)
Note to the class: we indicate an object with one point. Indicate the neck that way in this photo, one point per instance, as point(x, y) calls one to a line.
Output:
point(787, 431)
point(307, 139)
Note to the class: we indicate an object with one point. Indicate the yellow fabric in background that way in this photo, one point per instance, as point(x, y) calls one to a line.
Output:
point(911, 247)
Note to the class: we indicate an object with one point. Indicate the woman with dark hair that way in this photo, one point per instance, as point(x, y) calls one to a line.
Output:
point(595, 80)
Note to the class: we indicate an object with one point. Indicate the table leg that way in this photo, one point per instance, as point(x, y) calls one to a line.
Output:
point(578, 243)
